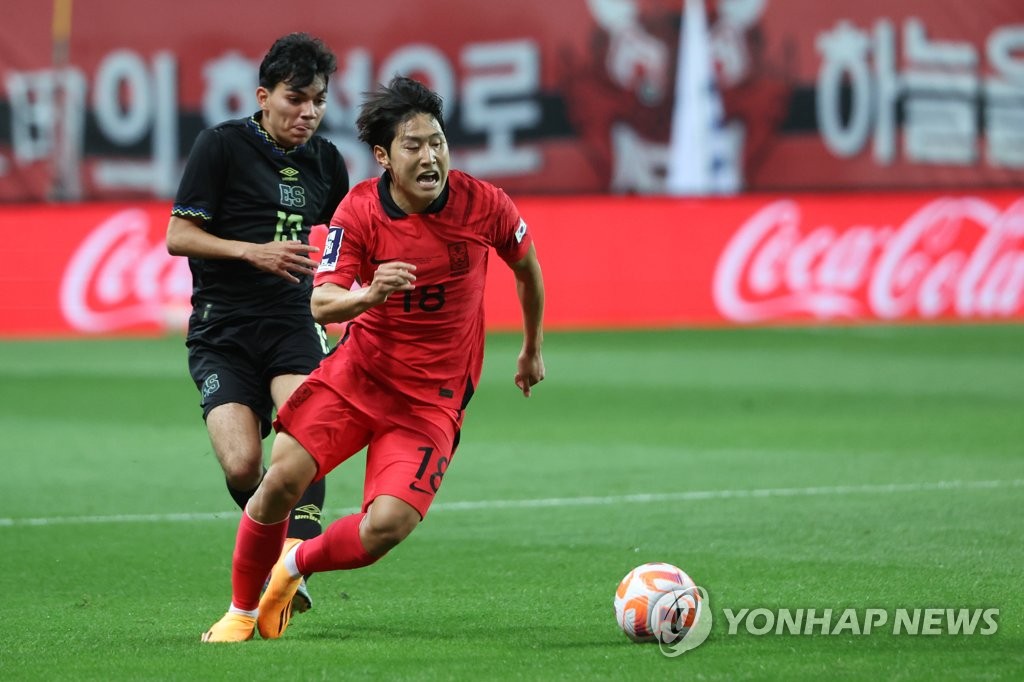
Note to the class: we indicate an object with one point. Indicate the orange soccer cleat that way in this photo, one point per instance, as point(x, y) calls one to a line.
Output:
point(233, 627)
point(276, 602)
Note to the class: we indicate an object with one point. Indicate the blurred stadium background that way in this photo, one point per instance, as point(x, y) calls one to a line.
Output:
point(851, 161)
point(838, 186)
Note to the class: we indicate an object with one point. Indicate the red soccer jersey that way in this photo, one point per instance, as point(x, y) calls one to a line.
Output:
point(427, 343)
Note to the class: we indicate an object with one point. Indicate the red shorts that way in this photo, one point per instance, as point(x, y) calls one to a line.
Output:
point(409, 444)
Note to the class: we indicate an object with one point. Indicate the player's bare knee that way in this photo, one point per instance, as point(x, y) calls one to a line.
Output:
point(241, 474)
point(276, 496)
point(378, 541)
point(381, 532)
point(283, 488)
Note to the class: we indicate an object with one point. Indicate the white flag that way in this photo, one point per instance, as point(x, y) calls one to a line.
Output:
point(702, 159)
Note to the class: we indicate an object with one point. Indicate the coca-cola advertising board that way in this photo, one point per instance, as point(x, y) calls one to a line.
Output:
point(608, 262)
point(541, 97)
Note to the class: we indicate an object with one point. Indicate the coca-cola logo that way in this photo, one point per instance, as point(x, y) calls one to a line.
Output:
point(953, 258)
point(120, 277)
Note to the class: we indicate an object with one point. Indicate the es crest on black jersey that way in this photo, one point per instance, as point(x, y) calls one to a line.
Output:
point(292, 196)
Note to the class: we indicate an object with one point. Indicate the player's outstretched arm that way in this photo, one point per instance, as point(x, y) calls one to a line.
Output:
point(332, 303)
point(530, 290)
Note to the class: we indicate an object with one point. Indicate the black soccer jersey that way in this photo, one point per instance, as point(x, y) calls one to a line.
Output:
point(241, 185)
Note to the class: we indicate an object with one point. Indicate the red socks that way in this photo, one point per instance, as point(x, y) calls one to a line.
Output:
point(339, 547)
point(257, 549)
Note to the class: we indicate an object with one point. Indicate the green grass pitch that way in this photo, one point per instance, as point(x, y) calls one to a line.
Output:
point(858, 467)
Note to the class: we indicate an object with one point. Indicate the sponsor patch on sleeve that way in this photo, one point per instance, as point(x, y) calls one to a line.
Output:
point(520, 231)
point(332, 247)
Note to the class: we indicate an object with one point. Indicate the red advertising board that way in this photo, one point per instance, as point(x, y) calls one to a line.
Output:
point(541, 97)
point(608, 262)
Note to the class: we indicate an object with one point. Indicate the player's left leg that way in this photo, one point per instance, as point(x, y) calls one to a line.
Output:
point(395, 463)
point(291, 466)
point(405, 463)
point(356, 540)
point(387, 522)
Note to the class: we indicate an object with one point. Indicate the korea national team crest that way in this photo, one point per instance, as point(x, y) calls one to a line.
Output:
point(458, 258)
point(332, 247)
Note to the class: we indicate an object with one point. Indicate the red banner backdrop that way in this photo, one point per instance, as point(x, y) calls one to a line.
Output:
point(879, 94)
point(542, 97)
point(608, 262)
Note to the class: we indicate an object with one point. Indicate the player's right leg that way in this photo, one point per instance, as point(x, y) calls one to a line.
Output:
point(237, 407)
point(291, 471)
point(316, 428)
point(236, 404)
point(236, 437)
point(305, 520)
point(235, 434)
point(258, 545)
point(234, 431)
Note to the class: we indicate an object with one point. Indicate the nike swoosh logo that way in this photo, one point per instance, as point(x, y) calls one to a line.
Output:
point(382, 260)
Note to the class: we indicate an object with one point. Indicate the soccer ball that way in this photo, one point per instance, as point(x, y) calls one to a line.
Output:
point(657, 602)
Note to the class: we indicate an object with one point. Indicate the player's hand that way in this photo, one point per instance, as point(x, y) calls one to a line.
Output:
point(390, 277)
point(529, 371)
point(287, 259)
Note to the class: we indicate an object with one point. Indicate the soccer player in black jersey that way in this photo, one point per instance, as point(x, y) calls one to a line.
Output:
point(250, 192)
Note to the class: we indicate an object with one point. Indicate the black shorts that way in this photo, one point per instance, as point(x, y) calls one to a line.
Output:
point(234, 361)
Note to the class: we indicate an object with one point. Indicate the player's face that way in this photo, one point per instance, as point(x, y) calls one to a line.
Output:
point(418, 162)
point(292, 115)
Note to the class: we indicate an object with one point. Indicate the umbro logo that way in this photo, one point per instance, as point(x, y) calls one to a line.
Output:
point(307, 512)
point(289, 174)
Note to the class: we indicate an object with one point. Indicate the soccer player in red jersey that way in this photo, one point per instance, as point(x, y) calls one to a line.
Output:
point(417, 241)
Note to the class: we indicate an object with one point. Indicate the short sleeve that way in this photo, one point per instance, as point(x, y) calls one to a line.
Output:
point(343, 250)
point(338, 173)
point(202, 182)
point(512, 238)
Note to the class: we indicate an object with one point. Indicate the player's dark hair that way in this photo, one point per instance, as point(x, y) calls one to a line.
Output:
point(393, 104)
point(296, 59)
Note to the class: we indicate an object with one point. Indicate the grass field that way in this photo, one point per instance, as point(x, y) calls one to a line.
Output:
point(782, 468)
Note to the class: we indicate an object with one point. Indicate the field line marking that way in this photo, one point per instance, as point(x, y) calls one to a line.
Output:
point(590, 501)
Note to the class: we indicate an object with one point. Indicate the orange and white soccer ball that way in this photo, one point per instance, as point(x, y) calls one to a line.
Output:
point(657, 602)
